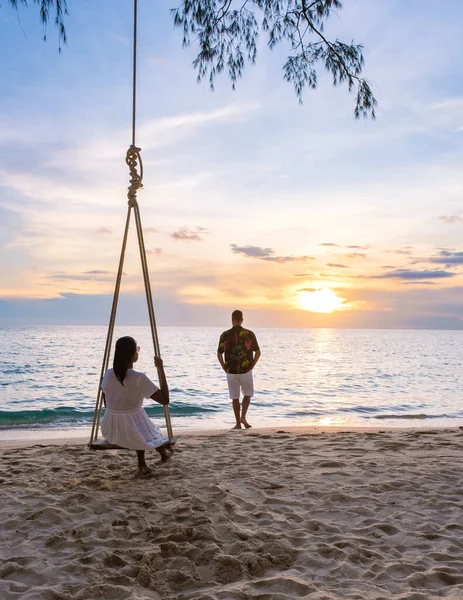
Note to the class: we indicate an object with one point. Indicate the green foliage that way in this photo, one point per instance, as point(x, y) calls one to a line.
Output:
point(227, 35)
point(227, 31)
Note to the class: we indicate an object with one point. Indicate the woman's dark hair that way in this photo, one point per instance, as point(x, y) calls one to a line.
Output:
point(126, 347)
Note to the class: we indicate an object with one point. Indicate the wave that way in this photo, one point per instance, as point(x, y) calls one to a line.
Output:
point(69, 416)
point(419, 416)
point(365, 413)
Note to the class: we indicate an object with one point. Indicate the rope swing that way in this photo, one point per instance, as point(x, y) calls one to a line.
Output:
point(134, 162)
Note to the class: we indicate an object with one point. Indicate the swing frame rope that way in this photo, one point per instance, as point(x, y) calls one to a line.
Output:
point(135, 164)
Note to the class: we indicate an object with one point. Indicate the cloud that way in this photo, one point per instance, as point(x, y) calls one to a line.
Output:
point(456, 102)
point(450, 219)
point(283, 259)
point(419, 282)
point(159, 132)
point(185, 234)
point(337, 265)
point(266, 254)
point(306, 290)
point(162, 132)
point(405, 275)
point(350, 247)
point(85, 276)
point(406, 251)
point(156, 60)
point(447, 258)
point(104, 230)
point(353, 255)
point(155, 251)
point(252, 251)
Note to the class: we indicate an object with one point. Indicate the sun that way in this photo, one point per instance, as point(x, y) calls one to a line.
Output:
point(320, 301)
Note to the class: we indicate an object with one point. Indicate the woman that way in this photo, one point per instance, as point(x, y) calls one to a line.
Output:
point(125, 422)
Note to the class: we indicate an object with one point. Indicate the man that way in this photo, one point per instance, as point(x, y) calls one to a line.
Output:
point(241, 355)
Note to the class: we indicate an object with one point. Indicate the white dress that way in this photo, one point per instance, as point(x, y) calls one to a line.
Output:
point(125, 422)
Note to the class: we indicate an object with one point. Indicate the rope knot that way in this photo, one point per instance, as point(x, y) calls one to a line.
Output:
point(133, 159)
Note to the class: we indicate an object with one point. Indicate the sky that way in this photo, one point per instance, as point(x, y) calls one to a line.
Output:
point(301, 216)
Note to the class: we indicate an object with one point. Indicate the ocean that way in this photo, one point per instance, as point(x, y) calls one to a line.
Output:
point(49, 377)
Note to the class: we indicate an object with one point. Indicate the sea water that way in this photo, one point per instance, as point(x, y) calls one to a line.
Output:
point(49, 377)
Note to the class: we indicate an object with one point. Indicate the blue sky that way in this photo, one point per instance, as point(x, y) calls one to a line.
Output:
point(250, 199)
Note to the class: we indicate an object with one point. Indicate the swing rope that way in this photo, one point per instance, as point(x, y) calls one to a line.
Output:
point(133, 161)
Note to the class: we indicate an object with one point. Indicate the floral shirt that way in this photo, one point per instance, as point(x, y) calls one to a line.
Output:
point(239, 344)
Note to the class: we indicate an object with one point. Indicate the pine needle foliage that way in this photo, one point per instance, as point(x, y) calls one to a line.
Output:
point(50, 10)
point(226, 34)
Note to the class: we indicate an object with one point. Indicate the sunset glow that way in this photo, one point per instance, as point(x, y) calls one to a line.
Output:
point(298, 214)
point(320, 301)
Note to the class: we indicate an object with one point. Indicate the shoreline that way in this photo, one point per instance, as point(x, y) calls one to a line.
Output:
point(64, 437)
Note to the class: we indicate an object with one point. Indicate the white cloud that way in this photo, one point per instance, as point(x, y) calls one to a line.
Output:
point(109, 149)
point(447, 104)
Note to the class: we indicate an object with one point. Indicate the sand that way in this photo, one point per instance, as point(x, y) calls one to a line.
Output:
point(237, 515)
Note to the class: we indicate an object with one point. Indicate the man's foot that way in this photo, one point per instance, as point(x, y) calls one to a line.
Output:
point(245, 423)
point(144, 471)
point(237, 426)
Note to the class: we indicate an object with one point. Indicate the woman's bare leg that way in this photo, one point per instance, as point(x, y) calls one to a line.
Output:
point(165, 453)
point(143, 468)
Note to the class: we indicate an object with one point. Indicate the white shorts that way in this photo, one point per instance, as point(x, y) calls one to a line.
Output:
point(239, 381)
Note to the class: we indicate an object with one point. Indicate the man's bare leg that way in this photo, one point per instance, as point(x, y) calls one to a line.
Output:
point(143, 468)
point(246, 403)
point(236, 410)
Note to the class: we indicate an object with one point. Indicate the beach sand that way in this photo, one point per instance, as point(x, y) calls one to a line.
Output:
point(268, 515)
